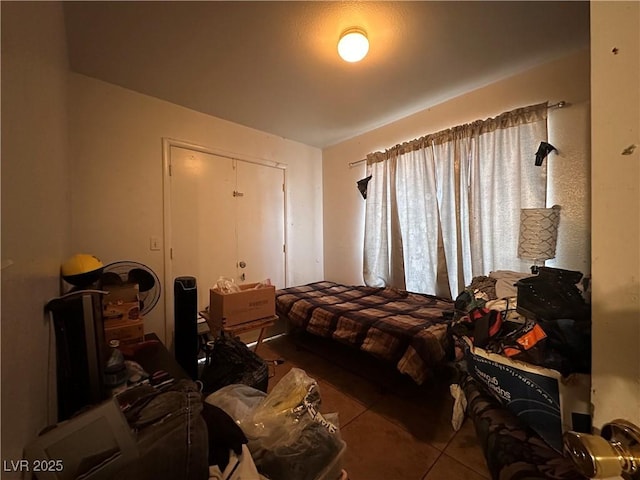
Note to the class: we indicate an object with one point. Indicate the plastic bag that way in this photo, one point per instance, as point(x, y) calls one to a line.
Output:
point(289, 439)
point(227, 285)
point(296, 441)
point(238, 401)
point(233, 362)
point(282, 416)
point(310, 454)
point(459, 406)
point(264, 283)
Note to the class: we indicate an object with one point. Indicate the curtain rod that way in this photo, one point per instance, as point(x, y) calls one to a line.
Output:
point(560, 104)
point(353, 164)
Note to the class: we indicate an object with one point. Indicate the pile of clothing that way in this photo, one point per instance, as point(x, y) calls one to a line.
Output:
point(541, 319)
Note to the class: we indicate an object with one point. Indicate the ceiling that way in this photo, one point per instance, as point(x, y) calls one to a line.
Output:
point(274, 66)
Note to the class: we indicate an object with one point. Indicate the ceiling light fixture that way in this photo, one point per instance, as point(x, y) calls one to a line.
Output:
point(353, 45)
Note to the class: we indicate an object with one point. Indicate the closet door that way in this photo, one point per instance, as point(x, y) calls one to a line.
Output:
point(260, 223)
point(227, 220)
point(203, 219)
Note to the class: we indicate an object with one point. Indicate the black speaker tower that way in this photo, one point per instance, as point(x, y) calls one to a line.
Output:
point(185, 298)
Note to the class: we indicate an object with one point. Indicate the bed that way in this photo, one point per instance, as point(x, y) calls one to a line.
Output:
point(408, 330)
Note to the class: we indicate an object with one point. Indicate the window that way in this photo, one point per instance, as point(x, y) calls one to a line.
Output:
point(444, 208)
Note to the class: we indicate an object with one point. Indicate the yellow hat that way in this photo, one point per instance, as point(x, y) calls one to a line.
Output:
point(82, 269)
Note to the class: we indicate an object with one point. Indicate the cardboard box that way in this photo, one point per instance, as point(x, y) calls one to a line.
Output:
point(126, 331)
point(545, 400)
point(241, 307)
point(122, 302)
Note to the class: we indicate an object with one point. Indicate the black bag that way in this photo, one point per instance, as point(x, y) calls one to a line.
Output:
point(571, 339)
point(563, 345)
point(486, 327)
point(526, 342)
point(231, 362)
point(552, 294)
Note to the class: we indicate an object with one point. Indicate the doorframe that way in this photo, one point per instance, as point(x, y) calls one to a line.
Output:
point(167, 143)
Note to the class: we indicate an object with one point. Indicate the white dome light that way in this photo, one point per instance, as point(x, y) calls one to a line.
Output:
point(353, 45)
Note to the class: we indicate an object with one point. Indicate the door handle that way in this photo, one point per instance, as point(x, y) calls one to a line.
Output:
point(614, 453)
point(242, 264)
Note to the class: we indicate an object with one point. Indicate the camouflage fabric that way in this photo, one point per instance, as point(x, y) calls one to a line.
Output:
point(511, 448)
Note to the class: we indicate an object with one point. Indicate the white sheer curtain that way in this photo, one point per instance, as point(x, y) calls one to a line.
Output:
point(445, 207)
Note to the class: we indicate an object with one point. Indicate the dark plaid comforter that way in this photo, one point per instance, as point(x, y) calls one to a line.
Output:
point(407, 329)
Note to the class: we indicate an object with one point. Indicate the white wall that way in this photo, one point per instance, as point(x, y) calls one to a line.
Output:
point(565, 79)
point(117, 176)
point(569, 175)
point(35, 211)
point(616, 210)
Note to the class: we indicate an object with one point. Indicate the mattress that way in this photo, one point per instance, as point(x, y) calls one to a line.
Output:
point(406, 329)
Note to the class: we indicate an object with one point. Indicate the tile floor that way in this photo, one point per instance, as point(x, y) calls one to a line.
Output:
point(394, 429)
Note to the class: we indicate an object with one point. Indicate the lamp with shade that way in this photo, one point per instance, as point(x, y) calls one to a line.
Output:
point(538, 235)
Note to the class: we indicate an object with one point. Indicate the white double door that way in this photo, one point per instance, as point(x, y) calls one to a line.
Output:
point(227, 220)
